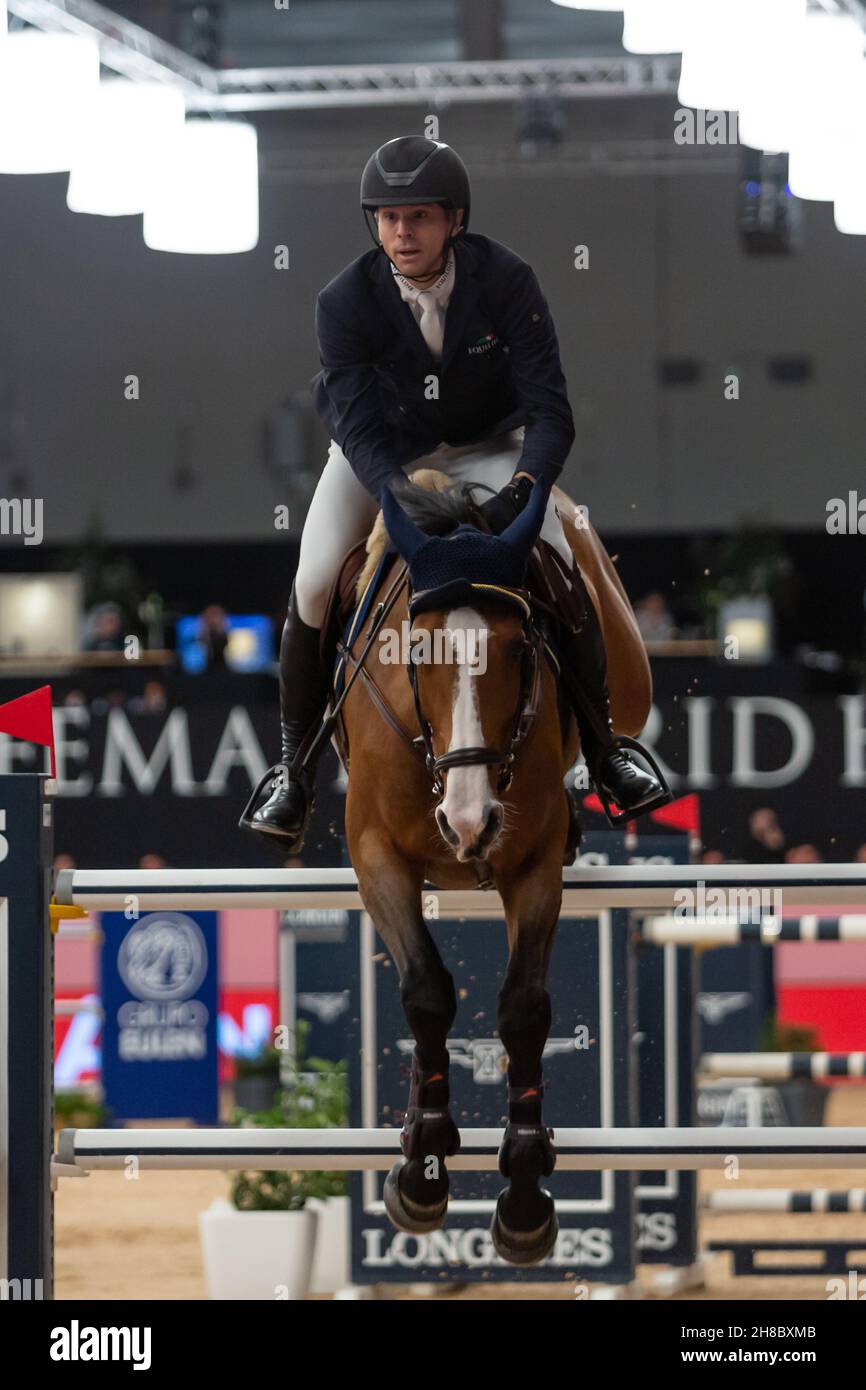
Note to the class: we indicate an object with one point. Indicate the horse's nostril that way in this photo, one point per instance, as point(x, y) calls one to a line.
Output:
point(445, 829)
point(492, 825)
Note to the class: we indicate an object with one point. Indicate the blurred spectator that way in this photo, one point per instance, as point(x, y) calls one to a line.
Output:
point(860, 855)
point(152, 861)
point(766, 842)
point(803, 854)
point(64, 861)
point(152, 700)
point(74, 697)
point(712, 856)
point(104, 629)
point(654, 618)
point(213, 635)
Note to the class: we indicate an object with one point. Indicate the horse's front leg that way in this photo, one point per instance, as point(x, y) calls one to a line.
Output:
point(524, 1225)
point(416, 1189)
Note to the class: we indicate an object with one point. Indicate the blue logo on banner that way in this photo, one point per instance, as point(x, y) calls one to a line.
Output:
point(159, 994)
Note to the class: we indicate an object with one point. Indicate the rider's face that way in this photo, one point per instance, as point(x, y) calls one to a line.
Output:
point(413, 237)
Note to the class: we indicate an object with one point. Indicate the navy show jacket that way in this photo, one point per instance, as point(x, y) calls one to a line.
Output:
point(500, 365)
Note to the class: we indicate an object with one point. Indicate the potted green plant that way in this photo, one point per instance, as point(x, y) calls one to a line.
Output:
point(805, 1100)
point(261, 1244)
point(78, 1110)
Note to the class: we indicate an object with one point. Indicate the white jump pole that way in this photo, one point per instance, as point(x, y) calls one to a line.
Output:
point(732, 931)
point(819, 1200)
point(784, 1066)
point(592, 887)
point(354, 1150)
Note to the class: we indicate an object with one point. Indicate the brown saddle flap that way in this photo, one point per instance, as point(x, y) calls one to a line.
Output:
point(341, 600)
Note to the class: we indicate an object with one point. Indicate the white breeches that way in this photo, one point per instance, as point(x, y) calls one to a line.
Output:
point(342, 512)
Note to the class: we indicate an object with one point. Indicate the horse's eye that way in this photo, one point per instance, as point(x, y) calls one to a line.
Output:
point(515, 649)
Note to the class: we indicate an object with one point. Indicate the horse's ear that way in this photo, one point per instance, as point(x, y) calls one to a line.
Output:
point(401, 528)
point(523, 532)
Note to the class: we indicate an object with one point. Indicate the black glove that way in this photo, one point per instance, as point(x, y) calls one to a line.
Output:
point(505, 505)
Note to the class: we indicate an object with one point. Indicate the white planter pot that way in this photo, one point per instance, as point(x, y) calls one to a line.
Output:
point(331, 1265)
point(257, 1254)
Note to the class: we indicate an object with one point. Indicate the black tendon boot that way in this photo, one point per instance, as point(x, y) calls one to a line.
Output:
point(633, 782)
point(283, 800)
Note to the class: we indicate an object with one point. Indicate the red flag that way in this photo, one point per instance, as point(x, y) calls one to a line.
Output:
point(29, 717)
point(682, 814)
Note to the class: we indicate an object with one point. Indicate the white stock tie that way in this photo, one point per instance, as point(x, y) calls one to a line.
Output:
point(431, 323)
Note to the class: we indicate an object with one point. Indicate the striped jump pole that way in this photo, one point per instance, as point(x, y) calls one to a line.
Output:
point(784, 1066)
point(592, 887)
point(353, 1150)
point(820, 1200)
point(733, 931)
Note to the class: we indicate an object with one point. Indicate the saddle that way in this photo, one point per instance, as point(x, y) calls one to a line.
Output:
point(546, 579)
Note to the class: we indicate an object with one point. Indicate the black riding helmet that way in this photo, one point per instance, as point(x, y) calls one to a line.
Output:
point(411, 170)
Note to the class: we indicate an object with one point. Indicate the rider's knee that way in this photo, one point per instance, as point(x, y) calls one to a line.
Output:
point(311, 596)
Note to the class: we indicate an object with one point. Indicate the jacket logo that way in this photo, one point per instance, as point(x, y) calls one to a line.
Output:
point(484, 344)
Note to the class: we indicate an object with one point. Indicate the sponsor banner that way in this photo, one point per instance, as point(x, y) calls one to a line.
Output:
point(173, 782)
point(159, 993)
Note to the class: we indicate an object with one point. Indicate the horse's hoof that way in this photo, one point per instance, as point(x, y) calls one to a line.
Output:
point(407, 1215)
point(525, 1247)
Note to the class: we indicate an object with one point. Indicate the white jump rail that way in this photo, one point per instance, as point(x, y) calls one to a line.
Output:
point(784, 1066)
point(819, 1200)
point(732, 931)
point(355, 1150)
point(592, 887)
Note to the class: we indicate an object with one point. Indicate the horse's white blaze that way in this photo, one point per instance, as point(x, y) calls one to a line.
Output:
point(468, 800)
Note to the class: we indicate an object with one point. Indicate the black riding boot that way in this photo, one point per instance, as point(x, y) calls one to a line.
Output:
point(304, 689)
point(616, 772)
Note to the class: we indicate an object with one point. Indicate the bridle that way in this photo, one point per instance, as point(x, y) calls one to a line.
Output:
point(526, 708)
point(528, 701)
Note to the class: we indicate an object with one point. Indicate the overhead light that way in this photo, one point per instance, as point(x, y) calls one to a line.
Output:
point(591, 4)
point(124, 139)
point(850, 197)
point(730, 48)
point(815, 70)
point(827, 140)
point(768, 105)
point(815, 171)
point(654, 26)
point(849, 210)
point(205, 200)
point(46, 83)
point(716, 38)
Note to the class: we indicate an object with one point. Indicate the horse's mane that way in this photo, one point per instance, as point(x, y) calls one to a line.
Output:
point(434, 502)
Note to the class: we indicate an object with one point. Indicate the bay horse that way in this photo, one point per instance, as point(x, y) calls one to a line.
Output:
point(456, 777)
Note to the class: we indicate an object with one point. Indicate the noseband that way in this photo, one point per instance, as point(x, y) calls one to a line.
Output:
point(528, 698)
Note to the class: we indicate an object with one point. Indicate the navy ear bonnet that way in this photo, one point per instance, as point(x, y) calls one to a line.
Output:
point(447, 569)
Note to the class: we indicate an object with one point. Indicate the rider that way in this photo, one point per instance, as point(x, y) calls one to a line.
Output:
point(437, 348)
